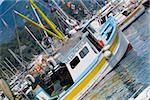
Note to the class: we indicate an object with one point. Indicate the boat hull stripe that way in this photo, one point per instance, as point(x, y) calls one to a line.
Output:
point(92, 74)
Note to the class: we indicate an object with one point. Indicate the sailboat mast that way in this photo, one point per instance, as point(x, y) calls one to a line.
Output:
point(51, 24)
point(13, 54)
point(4, 73)
point(9, 67)
point(60, 9)
point(98, 3)
point(38, 18)
point(84, 6)
point(37, 25)
point(9, 72)
point(11, 64)
point(63, 19)
point(35, 39)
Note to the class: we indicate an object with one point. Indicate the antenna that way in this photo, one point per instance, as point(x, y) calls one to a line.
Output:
point(13, 54)
point(35, 39)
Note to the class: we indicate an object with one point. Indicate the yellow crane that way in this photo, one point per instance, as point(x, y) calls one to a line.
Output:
point(56, 33)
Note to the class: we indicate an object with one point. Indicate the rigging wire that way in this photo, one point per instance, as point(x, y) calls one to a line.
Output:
point(38, 18)
point(17, 35)
point(9, 8)
point(11, 64)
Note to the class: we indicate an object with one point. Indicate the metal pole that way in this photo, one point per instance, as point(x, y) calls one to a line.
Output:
point(62, 19)
point(4, 73)
point(35, 39)
point(50, 23)
point(37, 25)
point(13, 54)
point(98, 4)
point(9, 67)
point(38, 19)
point(9, 72)
point(60, 9)
point(11, 64)
point(84, 6)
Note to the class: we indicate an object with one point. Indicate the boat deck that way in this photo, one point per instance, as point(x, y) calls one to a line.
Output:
point(133, 71)
point(69, 44)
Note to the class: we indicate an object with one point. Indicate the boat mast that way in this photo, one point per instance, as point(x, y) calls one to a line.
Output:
point(51, 25)
point(38, 18)
point(37, 25)
point(13, 54)
point(11, 64)
point(4, 73)
point(4, 22)
point(9, 72)
point(35, 39)
point(85, 6)
point(60, 9)
point(9, 67)
point(98, 3)
point(65, 18)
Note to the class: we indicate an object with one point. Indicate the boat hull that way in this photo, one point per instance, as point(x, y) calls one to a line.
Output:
point(119, 46)
point(132, 17)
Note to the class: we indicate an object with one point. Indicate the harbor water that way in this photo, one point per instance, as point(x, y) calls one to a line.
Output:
point(132, 74)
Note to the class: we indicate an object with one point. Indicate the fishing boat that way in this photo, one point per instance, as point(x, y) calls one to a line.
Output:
point(76, 66)
point(85, 60)
point(124, 11)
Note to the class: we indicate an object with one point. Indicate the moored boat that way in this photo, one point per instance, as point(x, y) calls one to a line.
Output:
point(76, 66)
point(124, 11)
point(83, 63)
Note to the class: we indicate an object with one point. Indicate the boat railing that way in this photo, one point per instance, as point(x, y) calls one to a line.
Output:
point(108, 30)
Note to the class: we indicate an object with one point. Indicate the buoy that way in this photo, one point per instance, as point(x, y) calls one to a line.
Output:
point(107, 54)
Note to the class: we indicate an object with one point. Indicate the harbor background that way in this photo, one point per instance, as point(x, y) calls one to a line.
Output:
point(133, 72)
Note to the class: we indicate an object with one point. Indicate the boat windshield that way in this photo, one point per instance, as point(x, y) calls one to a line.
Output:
point(94, 25)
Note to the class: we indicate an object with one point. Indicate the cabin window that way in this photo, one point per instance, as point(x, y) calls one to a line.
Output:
point(91, 29)
point(84, 52)
point(125, 13)
point(74, 62)
point(103, 20)
point(85, 30)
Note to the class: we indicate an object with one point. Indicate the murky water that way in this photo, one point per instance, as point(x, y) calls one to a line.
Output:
point(133, 72)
